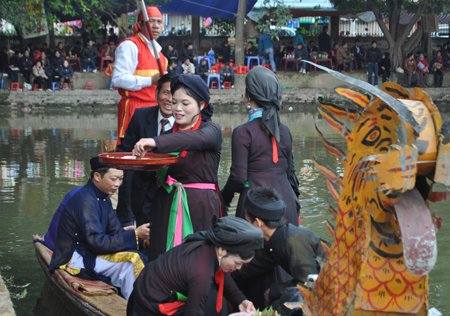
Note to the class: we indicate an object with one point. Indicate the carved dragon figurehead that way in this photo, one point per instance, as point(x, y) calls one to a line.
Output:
point(384, 240)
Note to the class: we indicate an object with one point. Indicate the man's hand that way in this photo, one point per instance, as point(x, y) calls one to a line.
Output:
point(383, 68)
point(206, 73)
point(89, 59)
point(128, 228)
point(266, 297)
point(45, 77)
point(247, 307)
point(143, 231)
point(155, 79)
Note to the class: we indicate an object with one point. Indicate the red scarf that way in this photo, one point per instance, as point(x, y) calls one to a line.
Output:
point(219, 277)
point(176, 128)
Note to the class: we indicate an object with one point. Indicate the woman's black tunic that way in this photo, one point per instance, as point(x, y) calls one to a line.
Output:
point(189, 274)
point(199, 166)
point(252, 161)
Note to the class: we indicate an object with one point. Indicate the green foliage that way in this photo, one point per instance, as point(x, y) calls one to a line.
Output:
point(16, 13)
point(17, 292)
point(278, 17)
point(223, 26)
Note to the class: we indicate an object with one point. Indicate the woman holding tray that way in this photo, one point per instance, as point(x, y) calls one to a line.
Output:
point(189, 196)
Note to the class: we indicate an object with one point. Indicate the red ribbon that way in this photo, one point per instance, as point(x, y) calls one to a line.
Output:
point(219, 278)
point(170, 308)
point(274, 150)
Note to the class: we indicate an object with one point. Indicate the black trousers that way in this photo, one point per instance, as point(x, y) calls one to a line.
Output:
point(438, 77)
point(123, 210)
point(42, 82)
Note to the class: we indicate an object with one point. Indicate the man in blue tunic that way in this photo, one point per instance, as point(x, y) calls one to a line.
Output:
point(90, 242)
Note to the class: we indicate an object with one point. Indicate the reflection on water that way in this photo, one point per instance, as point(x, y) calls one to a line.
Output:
point(43, 156)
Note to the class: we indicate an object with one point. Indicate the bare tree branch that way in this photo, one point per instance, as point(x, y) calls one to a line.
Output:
point(413, 40)
point(381, 23)
point(411, 23)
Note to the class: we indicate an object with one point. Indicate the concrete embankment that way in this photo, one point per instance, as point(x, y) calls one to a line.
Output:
point(301, 89)
point(6, 306)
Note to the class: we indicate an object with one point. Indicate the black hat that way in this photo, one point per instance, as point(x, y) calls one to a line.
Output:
point(271, 212)
point(198, 85)
point(96, 164)
point(235, 234)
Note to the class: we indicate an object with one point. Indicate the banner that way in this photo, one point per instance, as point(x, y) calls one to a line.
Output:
point(36, 9)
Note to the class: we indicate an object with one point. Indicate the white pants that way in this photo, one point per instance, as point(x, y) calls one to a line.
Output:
point(120, 273)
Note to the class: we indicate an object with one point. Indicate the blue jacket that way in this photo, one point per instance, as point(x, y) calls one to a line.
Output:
point(89, 225)
point(265, 42)
point(65, 72)
point(299, 39)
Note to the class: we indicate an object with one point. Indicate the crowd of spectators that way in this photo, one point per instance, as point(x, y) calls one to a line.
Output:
point(43, 66)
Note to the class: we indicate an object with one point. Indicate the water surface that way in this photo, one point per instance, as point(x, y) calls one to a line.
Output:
point(45, 155)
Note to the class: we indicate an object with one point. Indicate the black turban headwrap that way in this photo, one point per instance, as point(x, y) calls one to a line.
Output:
point(96, 164)
point(231, 233)
point(271, 212)
point(265, 89)
point(198, 85)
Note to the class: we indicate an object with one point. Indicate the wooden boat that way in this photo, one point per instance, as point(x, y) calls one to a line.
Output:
point(80, 297)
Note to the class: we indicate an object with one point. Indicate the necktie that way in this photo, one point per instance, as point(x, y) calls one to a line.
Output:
point(163, 125)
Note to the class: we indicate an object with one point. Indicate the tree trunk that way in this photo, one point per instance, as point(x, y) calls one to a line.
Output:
point(195, 32)
point(239, 45)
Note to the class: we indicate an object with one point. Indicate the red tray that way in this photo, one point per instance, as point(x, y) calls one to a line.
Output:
point(150, 162)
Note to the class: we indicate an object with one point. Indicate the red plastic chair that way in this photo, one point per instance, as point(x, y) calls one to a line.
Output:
point(110, 59)
point(235, 69)
point(227, 85)
point(15, 86)
point(215, 68)
point(242, 70)
point(89, 85)
point(214, 85)
point(35, 87)
point(266, 66)
point(68, 85)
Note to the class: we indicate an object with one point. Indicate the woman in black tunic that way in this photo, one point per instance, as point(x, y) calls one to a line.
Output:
point(199, 142)
point(262, 147)
point(180, 281)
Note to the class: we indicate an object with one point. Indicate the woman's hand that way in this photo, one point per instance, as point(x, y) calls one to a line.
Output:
point(247, 307)
point(142, 146)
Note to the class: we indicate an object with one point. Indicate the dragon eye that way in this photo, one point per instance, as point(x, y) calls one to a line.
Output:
point(372, 136)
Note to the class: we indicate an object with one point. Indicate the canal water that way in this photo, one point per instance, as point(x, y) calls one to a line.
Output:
point(45, 155)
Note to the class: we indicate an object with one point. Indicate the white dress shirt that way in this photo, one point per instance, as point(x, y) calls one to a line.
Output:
point(169, 125)
point(125, 63)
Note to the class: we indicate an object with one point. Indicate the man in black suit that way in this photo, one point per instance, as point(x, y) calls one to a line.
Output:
point(139, 188)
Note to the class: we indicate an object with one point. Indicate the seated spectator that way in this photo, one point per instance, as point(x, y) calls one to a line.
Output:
point(280, 52)
point(76, 50)
point(12, 66)
point(112, 38)
point(251, 50)
point(301, 54)
point(109, 73)
point(202, 69)
point(172, 53)
point(175, 68)
point(445, 56)
point(29, 48)
point(334, 52)
point(173, 32)
point(343, 57)
point(358, 52)
point(56, 64)
point(436, 66)
point(290, 47)
point(227, 74)
point(27, 65)
point(39, 77)
point(36, 55)
point(61, 50)
point(46, 64)
point(423, 68)
point(224, 52)
point(312, 47)
point(111, 50)
point(188, 67)
point(373, 57)
point(410, 67)
point(45, 49)
point(65, 75)
point(188, 53)
point(384, 67)
point(89, 54)
point(89, 230)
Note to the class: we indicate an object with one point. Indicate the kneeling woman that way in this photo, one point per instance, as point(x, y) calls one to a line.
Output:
point(180, 281)
point(198, 142)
